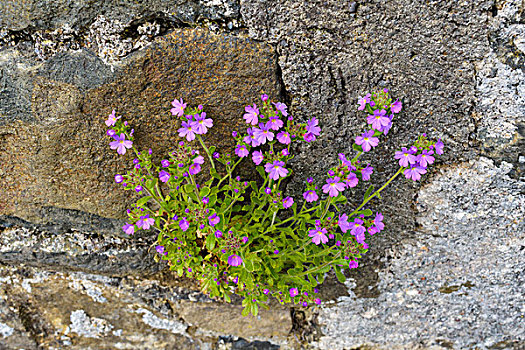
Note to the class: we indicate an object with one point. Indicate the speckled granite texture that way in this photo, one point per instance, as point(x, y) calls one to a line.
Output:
point(448, 273)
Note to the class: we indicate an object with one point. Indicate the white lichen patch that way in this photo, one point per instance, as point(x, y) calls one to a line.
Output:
point(105, 38)
point(161, 323)
point(89, 288)
point(5, 330)
point(89, 327)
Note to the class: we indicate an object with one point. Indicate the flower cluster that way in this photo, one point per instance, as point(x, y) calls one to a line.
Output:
point(246, 237)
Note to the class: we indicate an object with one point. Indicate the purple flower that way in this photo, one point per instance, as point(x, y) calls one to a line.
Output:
point(213, 219)
point(198, 160)
point(257, 157)
point(351, 180)
point(205, 200)
point(195, 169)
point(353, 264)
point(357, 227)
point(241, 151)
point(439, 147)
point(276, 251)
point(244, 239)
point(378, 119)
point(252, 114)
point(250, 139)
point(119, 178)
point(396, 107)
point(138, 189)
point(285, 152)
point(333, 187)
point(164, 176)
point(362, 102)
point(414, 172)
point(263, 134)
point(165, 163)
point(317, 301)
point(367, 140)
point(318, 235)
point(294, 292)
point(312, 126)
point(129, 228)
point(187, 131)
point(160, 250)
point(287, 202)
point(405, 157)
point(178, 108)
point(425, 158)
point(309, 137)
point(218, 234)
point(385, 129)
point(234, 260)
point(284, 137)
point(310, 196)
point(184, 224)
point(201, 124)
point(378, 222)
point(264, 97)
point(281, 107)
point(276, 169)
point(366, 172)
point(145, 222)
point(120, 144)
point(344, 161)
point(275, 123)
point(112, 119)
point(111, 132)
point(266, 291)
point(343, 223)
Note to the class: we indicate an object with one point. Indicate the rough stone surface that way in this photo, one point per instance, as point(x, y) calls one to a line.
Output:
point(460, 282)
point(77, 310)
point(448, 273)
point(62, 140)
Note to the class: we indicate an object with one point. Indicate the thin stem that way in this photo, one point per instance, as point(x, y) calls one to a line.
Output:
point(319, 267)
point(377, 192)
point(206, 150)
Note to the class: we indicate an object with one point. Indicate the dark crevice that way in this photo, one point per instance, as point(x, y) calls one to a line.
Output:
point(284, 95)
point(305, 328)
point(494, 10)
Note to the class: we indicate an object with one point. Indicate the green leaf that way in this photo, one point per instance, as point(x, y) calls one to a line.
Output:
point(204, 192)
point(366, 212)
point(261, 172)
point(210, 242)
point(340, 277)
point(188, 188)
point(246, 311)
point(369, 191)
point(212, 149)
point(215, 174)
point(357, 148)
point(143, 201)
point(249, 265)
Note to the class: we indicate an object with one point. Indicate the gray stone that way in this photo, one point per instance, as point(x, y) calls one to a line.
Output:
point(460, 282)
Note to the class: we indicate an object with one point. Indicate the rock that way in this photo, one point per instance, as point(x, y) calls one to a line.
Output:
point(79, 311)
point(459, 283)
point(58, 158)
point(18, 15)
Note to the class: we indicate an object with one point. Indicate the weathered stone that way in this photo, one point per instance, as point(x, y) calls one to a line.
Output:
point(79, 311)
point(459, 283)
point(59, 157)
point(50, 14)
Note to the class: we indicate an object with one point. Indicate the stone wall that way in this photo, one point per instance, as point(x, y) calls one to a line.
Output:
point(447, 274)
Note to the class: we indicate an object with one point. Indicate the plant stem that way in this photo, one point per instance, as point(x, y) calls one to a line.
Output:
point(377, 192)
point(206, 150)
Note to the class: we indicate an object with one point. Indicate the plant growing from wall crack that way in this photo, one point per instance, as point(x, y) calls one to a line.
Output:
point(247, 237)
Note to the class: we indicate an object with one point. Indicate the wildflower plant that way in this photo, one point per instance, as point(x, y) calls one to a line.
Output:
point(247, 237)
